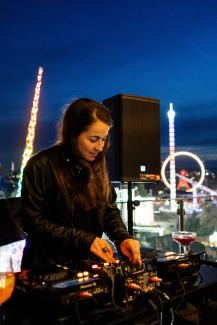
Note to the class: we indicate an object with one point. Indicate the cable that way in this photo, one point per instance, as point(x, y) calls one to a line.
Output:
point(183, 290)
point(160, 293)
point(109, 272)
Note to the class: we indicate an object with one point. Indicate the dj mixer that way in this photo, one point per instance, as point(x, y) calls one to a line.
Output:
point(94, 292)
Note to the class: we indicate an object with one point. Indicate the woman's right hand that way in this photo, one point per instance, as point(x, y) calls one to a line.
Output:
point(101, 248)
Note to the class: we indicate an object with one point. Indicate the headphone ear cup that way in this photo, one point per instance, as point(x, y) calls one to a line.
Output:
point(76, 170)
point(81, 172)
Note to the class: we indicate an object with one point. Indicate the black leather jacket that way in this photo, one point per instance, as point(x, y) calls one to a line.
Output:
point(50, 219)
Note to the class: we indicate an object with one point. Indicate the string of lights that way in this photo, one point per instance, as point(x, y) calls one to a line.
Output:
point(31, 129)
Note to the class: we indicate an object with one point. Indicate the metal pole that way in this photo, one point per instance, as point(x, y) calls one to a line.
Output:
point(130, 208)
point(181, 213)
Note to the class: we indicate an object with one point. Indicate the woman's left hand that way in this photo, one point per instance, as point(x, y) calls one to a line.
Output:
point(131, 249)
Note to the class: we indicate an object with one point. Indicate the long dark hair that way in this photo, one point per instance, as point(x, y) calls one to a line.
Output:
point(90, 191)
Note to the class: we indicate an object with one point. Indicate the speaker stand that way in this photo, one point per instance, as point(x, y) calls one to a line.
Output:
point(130, 207)
point(181, 213)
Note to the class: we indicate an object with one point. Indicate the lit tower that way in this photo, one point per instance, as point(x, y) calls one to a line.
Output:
point(171, 115)
point(31, 129)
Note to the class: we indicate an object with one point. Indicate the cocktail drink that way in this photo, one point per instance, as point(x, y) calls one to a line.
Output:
point(10, 263)
point(7, 283)
point(184, 238)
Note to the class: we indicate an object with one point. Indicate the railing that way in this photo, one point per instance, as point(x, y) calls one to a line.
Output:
point(154, 222)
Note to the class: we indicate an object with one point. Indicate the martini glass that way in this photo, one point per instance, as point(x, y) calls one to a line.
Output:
point(10, 263)
point(184, 238)
point(7, 283)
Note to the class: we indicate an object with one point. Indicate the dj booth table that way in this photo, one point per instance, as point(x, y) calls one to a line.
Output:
point(191, 305)
point(159, 306)
point(207, 285)
point(205, 296)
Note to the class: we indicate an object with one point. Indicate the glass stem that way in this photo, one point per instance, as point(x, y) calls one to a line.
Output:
point(186, 249)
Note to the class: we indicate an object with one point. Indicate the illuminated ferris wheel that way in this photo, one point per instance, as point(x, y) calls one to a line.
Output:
point(31, 129)
point(171, 160)
point(188, 154)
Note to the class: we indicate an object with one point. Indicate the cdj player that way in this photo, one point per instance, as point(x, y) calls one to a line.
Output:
point(100, 291)
point(176, 271)
point(93, 292)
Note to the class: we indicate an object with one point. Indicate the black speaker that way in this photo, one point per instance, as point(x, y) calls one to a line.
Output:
point(134, 153)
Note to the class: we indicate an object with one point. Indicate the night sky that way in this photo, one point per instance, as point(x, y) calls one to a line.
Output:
point(159, 49)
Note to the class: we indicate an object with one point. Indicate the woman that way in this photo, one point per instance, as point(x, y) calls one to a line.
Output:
point(66, 194)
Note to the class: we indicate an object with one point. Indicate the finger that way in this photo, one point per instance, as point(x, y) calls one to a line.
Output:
point(127, 253)
point(111, 252)
point(108, 254)
point(103, 250)
point(137, 259)
point(137, 256)
point(108, 258)
point(104, 254)
point(107, 249)
point(133, 254)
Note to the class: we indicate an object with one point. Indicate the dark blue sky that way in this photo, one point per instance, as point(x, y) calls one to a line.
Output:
point(152, 48)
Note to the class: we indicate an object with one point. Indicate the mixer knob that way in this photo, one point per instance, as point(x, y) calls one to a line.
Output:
point(85, 294)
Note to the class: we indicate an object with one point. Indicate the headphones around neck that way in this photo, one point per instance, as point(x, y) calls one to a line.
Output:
point(76, 168)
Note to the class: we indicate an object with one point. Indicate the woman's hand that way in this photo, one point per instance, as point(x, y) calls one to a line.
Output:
point(131, 249)
point(102, 249)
